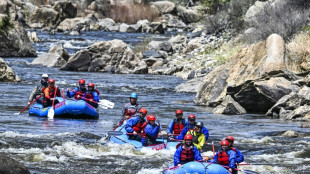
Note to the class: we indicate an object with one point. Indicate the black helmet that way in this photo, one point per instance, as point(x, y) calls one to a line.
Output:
point(199, 124)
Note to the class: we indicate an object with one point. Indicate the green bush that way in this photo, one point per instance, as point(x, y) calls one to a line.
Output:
point(5, 25)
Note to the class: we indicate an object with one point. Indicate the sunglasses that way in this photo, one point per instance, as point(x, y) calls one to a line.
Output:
point(191, 120)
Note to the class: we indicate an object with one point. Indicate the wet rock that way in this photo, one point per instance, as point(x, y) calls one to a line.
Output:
point(111, 56)
point(290, 133)
point(160, 45)
point(6, 73)
point(142, 68)
point(74, 33)
point(229, 106)
point(56, 57)
point(292, 106)
point(189, 86)
point(77, 23)
point(152, 54)
point(157, 28)
point(257, 62)
point(164, 7)
point(305, 125)
point(10, 166)
point(15, 43)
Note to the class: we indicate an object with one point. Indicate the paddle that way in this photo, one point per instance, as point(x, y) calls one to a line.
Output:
point(51, 111)
point(28, 105)
point(213, 148)
point(162, 136)
point(118, 133)
point(104, 104)
point(63, 96)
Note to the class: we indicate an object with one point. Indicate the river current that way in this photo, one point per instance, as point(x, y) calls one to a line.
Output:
point(80, 146)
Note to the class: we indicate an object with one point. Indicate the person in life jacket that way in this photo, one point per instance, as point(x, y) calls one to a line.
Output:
point(186, 152)
point(177, 125)
point(239, 155)
point(136, 125)
point(49, 93)
point(132, 104)
point(37, 90)
point(191, 126)
point(78, 92)
point(91, 96)
point(129, 114)
point(226, 156)
point(151, 131)
point(199, 138)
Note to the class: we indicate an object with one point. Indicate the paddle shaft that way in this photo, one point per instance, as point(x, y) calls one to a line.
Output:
point(30, 104)
point(54, 97)
point(63, 96)
point(213, 148)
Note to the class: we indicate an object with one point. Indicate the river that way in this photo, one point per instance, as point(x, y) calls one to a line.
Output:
point(80, 146)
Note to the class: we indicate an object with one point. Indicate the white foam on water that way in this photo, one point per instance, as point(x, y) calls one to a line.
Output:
point(149, 171)
point(13, 134)
point(265, 140)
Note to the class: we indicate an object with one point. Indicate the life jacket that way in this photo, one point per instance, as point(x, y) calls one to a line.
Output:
point(139, 126)
point(89, 95)
point(189, 129)
point(195, 136)
point(178, 125)
point(187, 154)
point(79, 93)
point(223, 158)
point(52, 92)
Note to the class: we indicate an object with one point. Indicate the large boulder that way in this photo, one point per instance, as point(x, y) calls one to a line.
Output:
point(46, 15)
point(229, 106)
point(7, 7)
point(15, 43)
point(292, 106)
point(10, 166)
point(189, 15)
point(164, 7)
point(6, 73)
point(56, 57)
point(65, 9)
point(111, 56)
point(76, 23)
point(265, 58)
point(190, 85)
point(160, 45)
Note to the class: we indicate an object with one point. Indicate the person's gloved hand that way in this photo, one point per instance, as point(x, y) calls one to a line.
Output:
point(171, 138)
point(143, 141)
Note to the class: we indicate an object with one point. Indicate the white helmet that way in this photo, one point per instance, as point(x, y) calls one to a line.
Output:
point(44, 75)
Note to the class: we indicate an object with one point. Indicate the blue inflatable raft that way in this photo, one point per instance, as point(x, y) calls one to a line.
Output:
point(123, 139)
point(197, 168)
point(78, 109)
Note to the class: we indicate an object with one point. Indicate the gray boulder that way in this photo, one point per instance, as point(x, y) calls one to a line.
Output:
point(45, 15)
point(141, 68)
point(15, 43)
point(190, 85)
point(290, 133)
point(164, 7)
point(10, 166)
point(229, 106)
point(160, 45)
point(56, 57)
point(189, 15)
point(6, 73)
point(111, 56)
point(292, 106)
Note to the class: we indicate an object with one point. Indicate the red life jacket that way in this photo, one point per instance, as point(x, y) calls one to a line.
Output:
point(139, 126)
point(187, 154)
point(223, 158)
point(89, 95)
point(178, 125)
point(79, 94)
point(52, 92)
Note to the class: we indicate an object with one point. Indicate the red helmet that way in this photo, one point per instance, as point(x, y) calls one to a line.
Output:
point(230, 138)
point(51, 81)
point(179, 111)
point(82, 81)
point(224, 142)
point(142, 110)
point(192, 116)
point(151, 118)
point(188, 137)
point(91, 84)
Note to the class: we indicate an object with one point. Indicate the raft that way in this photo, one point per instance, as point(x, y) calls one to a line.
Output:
point(124, 139)
point(78, 109)
point(197, 168)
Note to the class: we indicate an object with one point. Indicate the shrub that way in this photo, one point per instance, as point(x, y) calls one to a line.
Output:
point(284, 17)
point(131, 13)
point(5, 25)
point(300, 46)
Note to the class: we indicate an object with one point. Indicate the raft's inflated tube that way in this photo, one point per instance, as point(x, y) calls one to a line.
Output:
point(198, 168)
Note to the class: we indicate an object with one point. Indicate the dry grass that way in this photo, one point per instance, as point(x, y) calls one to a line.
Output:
point(300, 45)
point(131, 13)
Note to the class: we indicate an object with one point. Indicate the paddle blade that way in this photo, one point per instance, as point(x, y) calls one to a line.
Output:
point(250, 172)
point(115, 133)
point(51, 113)
point(106, 103)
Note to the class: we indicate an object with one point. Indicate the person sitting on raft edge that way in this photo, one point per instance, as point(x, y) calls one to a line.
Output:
point(39, 89)
point(78, 92)
point(151, 131)
point(91, 96)
point(49, 93)
point(135, 125)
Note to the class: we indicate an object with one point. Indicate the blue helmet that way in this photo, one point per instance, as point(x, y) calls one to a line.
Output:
point(134, 95)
